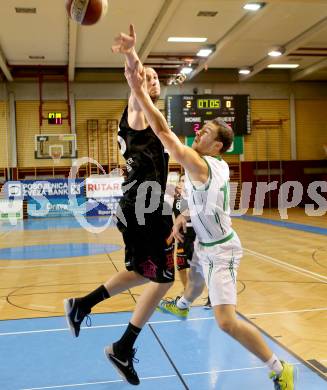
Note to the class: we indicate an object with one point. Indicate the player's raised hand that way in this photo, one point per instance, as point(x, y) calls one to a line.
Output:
point(124, 43)
point(136, 77)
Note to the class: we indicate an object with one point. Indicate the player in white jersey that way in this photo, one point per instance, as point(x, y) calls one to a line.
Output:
point(210, 208)
point(218, 248)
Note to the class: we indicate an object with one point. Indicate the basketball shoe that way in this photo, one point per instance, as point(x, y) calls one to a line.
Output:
point(286, 379)
point(123, 364)
point(169, 306)
point(75, 315)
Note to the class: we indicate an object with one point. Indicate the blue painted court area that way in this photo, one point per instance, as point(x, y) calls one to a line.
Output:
point(55, 251)
point(54, 223)
point(72, 223)
point(288, 225)
point(193, 354)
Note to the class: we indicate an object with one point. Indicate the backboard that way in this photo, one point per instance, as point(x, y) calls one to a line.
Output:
point(46, 144)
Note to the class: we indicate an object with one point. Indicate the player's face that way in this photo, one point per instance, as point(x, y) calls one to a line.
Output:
point(206, 139)
point(180, 184)
point(152, 83)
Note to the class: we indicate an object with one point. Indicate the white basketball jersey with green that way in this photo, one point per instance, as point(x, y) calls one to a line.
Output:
point(209, 204)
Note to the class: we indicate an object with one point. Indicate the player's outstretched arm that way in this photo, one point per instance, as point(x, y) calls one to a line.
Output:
point(125, 44)
point(186, 156)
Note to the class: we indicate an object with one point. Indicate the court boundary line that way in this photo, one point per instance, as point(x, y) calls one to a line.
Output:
point(296, 356)
point(95, 383)
point(179, 375)
point(99, 326)
point(5, 233)
point(47, 265)
point(301, 271)
point(288, 266)
point(157, 377)
point(147, 323)
point(286, 312)
point(236, 369)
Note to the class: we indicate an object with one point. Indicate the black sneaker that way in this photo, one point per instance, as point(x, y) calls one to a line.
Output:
point(207, 305)
point(74, 315)
point(124, 366)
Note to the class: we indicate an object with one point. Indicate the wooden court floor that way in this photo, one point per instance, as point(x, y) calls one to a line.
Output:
point(282, 281)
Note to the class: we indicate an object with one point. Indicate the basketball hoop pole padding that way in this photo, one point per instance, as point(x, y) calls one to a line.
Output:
point(65, 79)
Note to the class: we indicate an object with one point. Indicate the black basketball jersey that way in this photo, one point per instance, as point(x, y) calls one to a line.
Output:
point(179, 205)
point(145, 158)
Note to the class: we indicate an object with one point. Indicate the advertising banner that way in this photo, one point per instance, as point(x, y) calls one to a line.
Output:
point(55, 207)
point(102, 206)
point(52, 188)
point(104, 187)
point(11, 210)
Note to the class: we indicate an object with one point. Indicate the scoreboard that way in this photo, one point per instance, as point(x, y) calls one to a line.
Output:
point(186, 114)
point(54, 118)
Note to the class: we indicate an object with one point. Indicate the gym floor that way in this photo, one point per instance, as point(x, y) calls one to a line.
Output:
point(282, 286)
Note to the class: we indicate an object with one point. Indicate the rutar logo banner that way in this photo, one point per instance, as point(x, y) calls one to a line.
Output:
point(105, 187)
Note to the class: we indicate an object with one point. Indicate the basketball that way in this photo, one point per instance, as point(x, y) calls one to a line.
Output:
point(86, 12)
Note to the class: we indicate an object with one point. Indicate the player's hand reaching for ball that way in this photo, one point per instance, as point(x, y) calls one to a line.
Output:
point(125, 43)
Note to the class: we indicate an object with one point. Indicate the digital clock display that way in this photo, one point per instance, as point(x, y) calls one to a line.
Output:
point(186, 114)
point(207, 104)
point(54, 118)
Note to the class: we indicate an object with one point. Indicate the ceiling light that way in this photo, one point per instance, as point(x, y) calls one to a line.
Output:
point(25, 10)
point(244, 71)
point(207, 13)
point(162, 66)
point(253, 6)
point(205, 52)
point(186, 39)
point(276, 52)
point(283, 66)
point(36, 57)
point(186, 70)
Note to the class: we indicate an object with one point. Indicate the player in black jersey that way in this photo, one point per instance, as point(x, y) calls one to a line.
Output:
point(185, 249)
point(148, 255)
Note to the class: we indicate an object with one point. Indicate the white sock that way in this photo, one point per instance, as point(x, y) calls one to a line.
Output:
point(183, 303)
point(274, 364)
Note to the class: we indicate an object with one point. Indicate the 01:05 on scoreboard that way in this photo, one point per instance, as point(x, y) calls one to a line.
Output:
point(186, 114)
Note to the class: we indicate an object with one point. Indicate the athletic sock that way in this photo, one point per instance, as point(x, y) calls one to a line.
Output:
point(274, 364)
point(125, 345)
point(183, 303)
point(96, 296)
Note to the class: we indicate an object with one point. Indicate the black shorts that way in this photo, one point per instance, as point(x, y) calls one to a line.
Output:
point(185, 250)
point(146, 249)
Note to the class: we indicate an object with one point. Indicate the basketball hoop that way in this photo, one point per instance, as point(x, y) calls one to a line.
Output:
point(56, 152)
